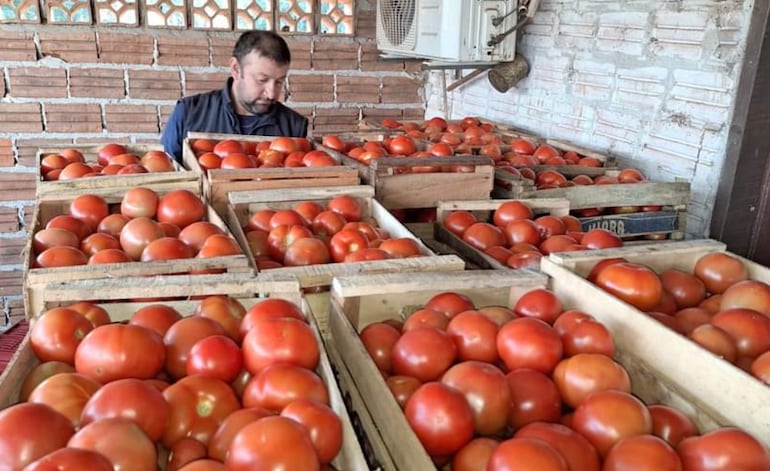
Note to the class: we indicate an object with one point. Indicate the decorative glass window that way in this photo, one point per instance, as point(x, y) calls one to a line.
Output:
point(19, 11)
point(254, 14)
point(295, 16)
point(68, 12)
point(165, 13)
point(336, 17)
point(116, 12)
point(211, 14)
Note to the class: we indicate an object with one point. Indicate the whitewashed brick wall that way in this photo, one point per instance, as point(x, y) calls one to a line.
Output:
point(650, 81)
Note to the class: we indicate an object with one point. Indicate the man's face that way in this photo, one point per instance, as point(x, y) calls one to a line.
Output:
point(257, 83)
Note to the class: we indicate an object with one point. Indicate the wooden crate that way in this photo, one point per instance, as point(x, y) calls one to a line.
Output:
point(722, 391)
point(357, 302)
point(247, 290)
point(217, 183)
point(90, 151)
point(673, 196)
point(483, 211)
point(243, 204)
point(35, 279)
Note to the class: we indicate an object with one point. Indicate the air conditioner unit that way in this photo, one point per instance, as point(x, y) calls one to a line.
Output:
point(447, 30)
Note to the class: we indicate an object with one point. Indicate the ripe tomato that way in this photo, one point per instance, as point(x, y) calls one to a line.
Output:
point(686, 289)
point(607, 417)
point(424, 353)
point(402, 145)
point(196, 234)
point(308, 210)
point(132, 399)
point(260, 220)
point(29, 431)
point(539, 303)
point(156, 317)
point(522, 231)
point(278, 384)
point(588, 337)
point(71, 458)
point(749, 329)
point(458, 221)
point(283, 144)
point(760, 367)
point(475, 455)
point(166, 248)
point(97, 242)
point(238, 160)
point(378, 339)
point(281, 237)
point(306, 251)
point(137, 234)
point(286, 340)
point(322, 422)
point(529, 343)
point(748, 294)
point(579, 376)
point(642, 453)
point(601, 266)
point(263, 445)
point(426, 318)
point(216, 356)
point(139, 202)
point(114, 351)
point(486, 390)
point(54, 237)
point(441, 418)
point(180, 207)
point(226, 311)
point(573, 447)
point(71, 224)
point(402, 387)
point(198, 406)
point(333, 142)
point(56, 334)
point(269, 308)
point(601, 239)
point(66, 393)
point(120, 440)
point(227, 146)
point(633, 283)
point(180, 339)
point(482, 235)
point(474, 335)
point(715, 340)
point(345, 242)
point(346, 206)
point(450, 303)
point(89, 209)
point(185, 451)
point(233, 423)
point(534, 398)
point(671, 424)
point(723, 449)
point(718, 271)
point(526, 454)
point(287, 217)
point(401, 247)
point(40, 373)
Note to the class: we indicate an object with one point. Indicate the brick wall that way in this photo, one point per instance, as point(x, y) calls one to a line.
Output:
point(62, 85)
point(651, 81)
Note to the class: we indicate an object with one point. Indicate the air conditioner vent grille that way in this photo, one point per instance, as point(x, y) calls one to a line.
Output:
point(397, 20)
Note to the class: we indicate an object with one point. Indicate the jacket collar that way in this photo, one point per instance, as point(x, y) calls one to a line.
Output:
point(270, 116)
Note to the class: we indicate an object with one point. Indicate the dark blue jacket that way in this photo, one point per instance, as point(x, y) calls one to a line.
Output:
point(213, 112)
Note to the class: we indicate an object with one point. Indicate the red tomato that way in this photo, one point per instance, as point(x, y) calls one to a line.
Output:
point(116, 351)
point(233, 423)
point(441, 418)
point(109, 256)
point(287, 217)
point(749, 329)
point(287, 340)
point(474, 335)
point(402, 388)
point(56, 334)
point(579, 376)
point(322, 422)
point(760, 367)
point(284, 144)
point(748, 294)
point(120, 441)
point(450, 303)
point(281, 237)
point(260, 220)
point(588, 337)
point(139, 202)
point(204, 465)
point(402, 145)
point(278, 384)
point(112, 224)
point(71, 458)
point(601, 266)
point(217, 356)
point(60, 257)
point(724, 449)
point(40, 373)
point(526, 454)
point(306, 251)
point(166, 248)
point(534, 398)
point(327, 223)
point(522, 231)
point(573, 447)
point(718, 271)
point(424, 353)
point(692, 317)
point(539, 303)
point(29, 431)
point(97, 242)
point(196, 234)
point(71, 224)
point(482, 235)
point(137, 234)
point(607, 417)
point(308, 210)
point(686, 289)
point(333, 142)
point(180, 338)
point(227, 146)
point(486, 390)
point(633, 283)
point(475, 455)
point(601, 239)
point(226, 311)
point(131, 399)
point(401, 247)
point(458, 221)
point(497, 314)
point(263, 445)
point(198, 406)
point(180, 207)
point(569, 319)
point(90, 209)
point(512, 211)
point(715, 340)
point(66, 393)
point(54, 237)
point(156, 317)
point(346, 206)
point(642, 453)
point(185, 451)
point(671, 424)
point(345, 242)
point(270, 308)
point(426, 318)
point(529, 343)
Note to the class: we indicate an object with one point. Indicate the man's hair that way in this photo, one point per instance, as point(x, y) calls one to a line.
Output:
point(266, 43)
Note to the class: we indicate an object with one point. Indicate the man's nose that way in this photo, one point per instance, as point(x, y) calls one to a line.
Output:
point(270, 92)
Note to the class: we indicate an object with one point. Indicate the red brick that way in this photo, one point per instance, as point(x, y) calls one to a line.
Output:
point(9, 220)
point(376, 115)
point(358, 89)
point(311, 88)
point(154, 84)
point(97, 83)
point(6, 153)
point(16, 308)
point(195, 82)
point(20, 117)
point(221, 51)
point(183, 50)
point(401, 90)
point(77, 47)
point(411, 114)
point(27, 212)
point(28, 148)
point(11, 282)
point(11, 249)
point(2, 88)
point(413, 66)
point(335, 120)
point(17, 46)
point(165, 113)
point(335, 55)
point(17, 186)
point(81, 117)
point(300, 54)
point(38, 82)
point(366, 24)
point(132, 118)
point(372, 62)
point(116, 48)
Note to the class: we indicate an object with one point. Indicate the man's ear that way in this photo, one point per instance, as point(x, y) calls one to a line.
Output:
point(235, 68)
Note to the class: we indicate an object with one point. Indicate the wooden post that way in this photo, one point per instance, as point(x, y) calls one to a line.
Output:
point(506, 75)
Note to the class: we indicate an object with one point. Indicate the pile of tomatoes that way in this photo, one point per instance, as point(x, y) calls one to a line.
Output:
point(311, 234)
point(112, 159)
point(275, 153)
point(716, 305)
point(145, 226)
point(535, 387)
point(225, 388)
point(515, 237)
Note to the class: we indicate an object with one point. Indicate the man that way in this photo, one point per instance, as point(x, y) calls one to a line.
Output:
point(249, 102)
